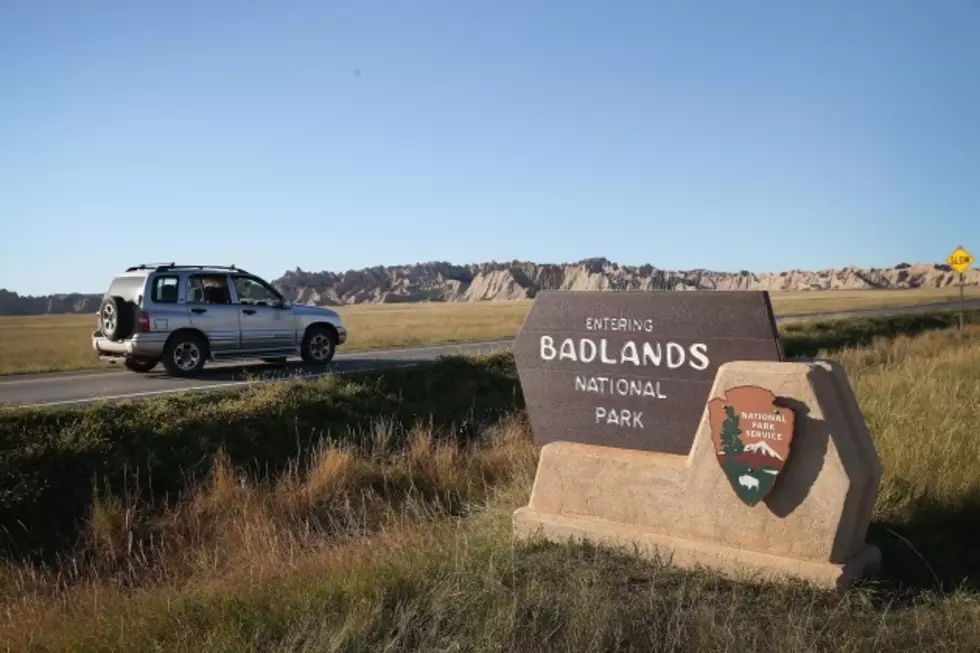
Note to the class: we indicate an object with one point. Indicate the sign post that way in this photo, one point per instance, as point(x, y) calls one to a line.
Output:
point(960, 260)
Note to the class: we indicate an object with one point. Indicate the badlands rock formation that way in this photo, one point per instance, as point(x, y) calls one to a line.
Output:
point(522, 280)
point(445, 282)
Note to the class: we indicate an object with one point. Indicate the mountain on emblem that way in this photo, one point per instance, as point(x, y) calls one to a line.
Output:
point(752, 438)
point(762, 447)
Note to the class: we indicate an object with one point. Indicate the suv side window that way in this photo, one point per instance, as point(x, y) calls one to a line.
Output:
point(165, 289)
point(252, 291)
point(208, 289)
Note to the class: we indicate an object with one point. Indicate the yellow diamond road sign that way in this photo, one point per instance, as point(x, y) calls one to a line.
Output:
point(960, 260)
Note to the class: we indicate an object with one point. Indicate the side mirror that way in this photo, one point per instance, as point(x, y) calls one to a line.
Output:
point(286, 303)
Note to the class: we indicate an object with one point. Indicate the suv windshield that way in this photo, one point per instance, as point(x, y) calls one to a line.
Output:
point(129, 288)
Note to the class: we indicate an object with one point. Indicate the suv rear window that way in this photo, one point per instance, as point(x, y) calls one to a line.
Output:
point(165, 289)
point(129, 288)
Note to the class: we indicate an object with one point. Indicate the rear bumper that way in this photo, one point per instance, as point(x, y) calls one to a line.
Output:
point(143, 345)
point(341, 335)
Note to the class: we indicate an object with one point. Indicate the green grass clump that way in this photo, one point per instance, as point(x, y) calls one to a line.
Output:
point(806, 339)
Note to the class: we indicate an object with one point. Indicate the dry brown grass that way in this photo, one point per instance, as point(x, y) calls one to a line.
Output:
point(379, 546)
point(921, 399)
point(42, 343)
point(62, 342)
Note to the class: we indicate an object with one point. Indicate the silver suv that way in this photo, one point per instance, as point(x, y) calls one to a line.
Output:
point(184, 315)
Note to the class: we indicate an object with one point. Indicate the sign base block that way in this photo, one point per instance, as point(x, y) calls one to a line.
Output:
point(690, 554)
point(811, 524)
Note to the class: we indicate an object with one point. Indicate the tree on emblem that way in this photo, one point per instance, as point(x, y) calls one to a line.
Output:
point(731, 444)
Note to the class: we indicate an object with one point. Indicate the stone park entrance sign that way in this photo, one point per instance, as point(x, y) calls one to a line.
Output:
point(670, 423)
point(633, 369)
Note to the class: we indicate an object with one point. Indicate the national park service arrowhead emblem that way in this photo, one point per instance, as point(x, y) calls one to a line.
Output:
point(752, 438)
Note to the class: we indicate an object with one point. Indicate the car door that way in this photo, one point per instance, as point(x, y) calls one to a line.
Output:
point(265, 324)
point(210, 309)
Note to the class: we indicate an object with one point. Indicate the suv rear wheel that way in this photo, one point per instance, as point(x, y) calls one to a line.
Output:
point(141, 365)
point(185, 354)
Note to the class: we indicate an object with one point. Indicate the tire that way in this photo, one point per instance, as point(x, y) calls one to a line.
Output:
point(319, 345)
point(140, 365)
point(116, 318)
point(185, 354)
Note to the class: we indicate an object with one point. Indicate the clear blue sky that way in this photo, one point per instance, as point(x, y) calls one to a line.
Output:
point(335, 135)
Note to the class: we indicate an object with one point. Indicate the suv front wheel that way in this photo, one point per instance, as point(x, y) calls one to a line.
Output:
point(319, 345)
point(185, 354)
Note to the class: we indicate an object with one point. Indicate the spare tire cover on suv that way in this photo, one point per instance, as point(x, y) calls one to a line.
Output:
point(116, 318)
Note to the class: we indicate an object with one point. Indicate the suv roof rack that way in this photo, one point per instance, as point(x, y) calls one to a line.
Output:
point(146, 266)
point(159, 267)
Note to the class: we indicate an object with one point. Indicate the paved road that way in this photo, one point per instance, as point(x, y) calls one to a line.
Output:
point(66, 388)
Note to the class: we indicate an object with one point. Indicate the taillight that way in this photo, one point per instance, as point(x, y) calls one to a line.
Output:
point(144, 322)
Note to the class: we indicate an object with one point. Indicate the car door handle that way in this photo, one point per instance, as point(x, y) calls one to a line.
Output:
point(248, 311)
point(199, 310)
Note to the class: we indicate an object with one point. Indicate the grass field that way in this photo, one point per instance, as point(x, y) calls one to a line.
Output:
point(373, 513)
point(62, 342)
